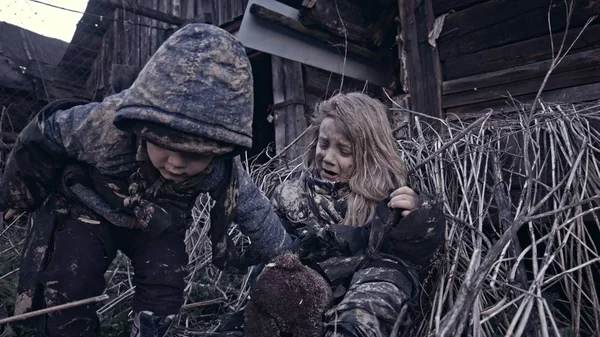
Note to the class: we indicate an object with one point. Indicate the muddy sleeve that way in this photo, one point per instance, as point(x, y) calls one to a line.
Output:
point(43, 147)
point(418, 236)
point(257, 219)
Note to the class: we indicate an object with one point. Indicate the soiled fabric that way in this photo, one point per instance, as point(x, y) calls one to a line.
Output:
point(374, 293)
point(70, 274)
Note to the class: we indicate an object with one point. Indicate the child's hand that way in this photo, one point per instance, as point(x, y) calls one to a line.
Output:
point(10, 214)
point(8, 217)
point(404, 198)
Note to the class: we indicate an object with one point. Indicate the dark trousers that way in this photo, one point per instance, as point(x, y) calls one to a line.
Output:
point(81, 255)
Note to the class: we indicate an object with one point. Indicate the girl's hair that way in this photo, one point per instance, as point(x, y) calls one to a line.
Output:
point(378, 166)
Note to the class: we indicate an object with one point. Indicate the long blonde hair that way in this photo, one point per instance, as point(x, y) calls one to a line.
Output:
point(378, 166)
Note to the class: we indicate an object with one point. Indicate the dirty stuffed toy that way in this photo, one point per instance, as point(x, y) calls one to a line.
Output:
point(356, 221)
point(124, 174)
point(288, 297)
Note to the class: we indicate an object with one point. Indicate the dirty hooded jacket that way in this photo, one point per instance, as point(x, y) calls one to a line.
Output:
point(194, 95)
point(313, 211)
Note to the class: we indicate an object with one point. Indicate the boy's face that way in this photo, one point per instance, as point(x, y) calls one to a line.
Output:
point(177, 166)
point(333, 156)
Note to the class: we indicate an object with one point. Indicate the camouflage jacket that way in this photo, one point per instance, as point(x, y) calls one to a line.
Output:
point(313, 210)
point(84, 135)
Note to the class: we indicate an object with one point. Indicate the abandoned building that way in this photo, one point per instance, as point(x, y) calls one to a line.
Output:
point(441, 57)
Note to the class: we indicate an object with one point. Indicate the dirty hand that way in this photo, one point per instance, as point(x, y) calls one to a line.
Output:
point(8, 216)
point(404, 198)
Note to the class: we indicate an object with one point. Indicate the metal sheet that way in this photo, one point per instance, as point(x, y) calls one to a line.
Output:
point(274, 39)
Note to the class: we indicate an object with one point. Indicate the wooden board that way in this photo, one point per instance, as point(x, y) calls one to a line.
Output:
point(288, 92)
point(206, 9)
point(344, 19)
point(501, 27)
point(237, 8)
point(445, 6)
point(487, 14)
point(518, 54)
point(424, 79)
point(323, 84)
point(574, 61)
point(576, 94)
point(187, 9)
point(529, 86)
point(310, 101)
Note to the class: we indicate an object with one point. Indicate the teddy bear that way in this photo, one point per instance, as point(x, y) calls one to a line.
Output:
point(288, 297)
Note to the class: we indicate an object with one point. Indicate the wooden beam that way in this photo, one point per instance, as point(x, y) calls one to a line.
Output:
point(136, 9)
point(344, 19)
point(272, 16)
point(422, 66)
point(288, 106)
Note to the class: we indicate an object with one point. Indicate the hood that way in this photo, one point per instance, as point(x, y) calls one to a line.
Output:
point(199, 84)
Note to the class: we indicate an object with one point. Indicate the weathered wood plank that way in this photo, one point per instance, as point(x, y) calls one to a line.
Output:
point(295, 114)
point(215, 13)
point(444, 6)
point(187, 9)
point(161, 15)
point(117, 37)
point(519, 27)
point(221, 16)
point(162, 36)
point(518, 54)
point(579, 60)
point(310, 101)
point(487, 14)
point(575, 94)
point(323, 84)
point(344, 19)
point(154, 31)
point(422, 61)
point(206, 9)
point(278, 97)
point(380, 29)
point(136, 31)
point(530, 86)
point(237, 8)
point(288, 106)
point(176, 8)
point(144, 40)
point(267, 14)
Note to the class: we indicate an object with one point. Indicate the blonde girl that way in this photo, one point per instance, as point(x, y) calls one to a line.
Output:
point(351, 166)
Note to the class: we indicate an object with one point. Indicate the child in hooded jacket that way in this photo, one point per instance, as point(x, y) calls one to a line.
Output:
point(124, 174)
point(338, 209)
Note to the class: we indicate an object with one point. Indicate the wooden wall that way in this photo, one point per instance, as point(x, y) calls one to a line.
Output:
point(320, 85)
point(131, 39)
point(492, 48)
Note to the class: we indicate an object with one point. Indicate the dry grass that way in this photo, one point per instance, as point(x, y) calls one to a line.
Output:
point(520, 192)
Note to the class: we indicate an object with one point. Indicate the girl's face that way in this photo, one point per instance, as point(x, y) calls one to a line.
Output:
point(177, 166)
point(334, 159)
